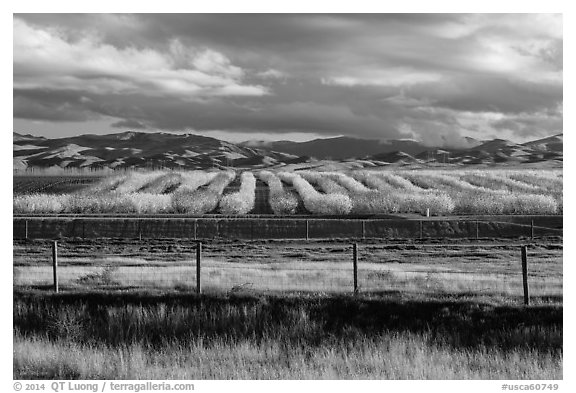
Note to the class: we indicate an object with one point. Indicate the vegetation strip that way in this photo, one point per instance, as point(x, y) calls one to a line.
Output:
point(101, 335)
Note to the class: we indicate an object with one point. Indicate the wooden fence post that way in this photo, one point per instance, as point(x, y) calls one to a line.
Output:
point(477, 230)
point(525, 276)
point(363, 229)
point(355, 265)
point(532, 229)
point(421, 230)
point(55, 264)
point(26, 229)
point(307, 234)
point(198, 263)
point(195, 229)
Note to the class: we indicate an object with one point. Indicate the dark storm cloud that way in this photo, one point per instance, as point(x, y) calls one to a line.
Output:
point(491, 94)
point(433, 77)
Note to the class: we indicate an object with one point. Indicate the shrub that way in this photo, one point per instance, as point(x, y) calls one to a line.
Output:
point(192, 180)
point(105, 185)
point(136, 180)
point(99, 203)
point(162, 184)
point(202, 201)
point(324, 181)
point(242, 201)
point(146, 203)
point(398, 182)
point(39, 203)
point(281, 201)
point(351, 184)
point(315, 202)
point(409, 198)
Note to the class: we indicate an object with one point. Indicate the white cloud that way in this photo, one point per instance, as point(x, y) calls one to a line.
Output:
point(384, 77)
point(272, 74)
point(45, 58)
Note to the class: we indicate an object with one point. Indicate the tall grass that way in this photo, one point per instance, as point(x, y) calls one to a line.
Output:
point(242, 201)
point(170, 337)
point(281, 201)
point(314, 201)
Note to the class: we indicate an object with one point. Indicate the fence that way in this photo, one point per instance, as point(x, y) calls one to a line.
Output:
point(264, 227)
point(506, 269)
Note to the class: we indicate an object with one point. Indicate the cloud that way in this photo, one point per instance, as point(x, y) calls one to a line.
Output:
point(385, 77)
point(45, 58)
point(434, 77)
point(271, 73)
point(133, 124)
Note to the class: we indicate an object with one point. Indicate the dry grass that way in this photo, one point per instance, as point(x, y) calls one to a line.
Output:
point(296, 266)
point(97, 336)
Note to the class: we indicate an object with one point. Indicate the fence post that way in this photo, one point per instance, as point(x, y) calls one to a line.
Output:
point(26, 229)
point(307, 237)
point(198, 263)
point(363, 229)
point(525, 276)
point(477, 230)
point(55, 264)
point(195, 229)
point(532, 229)
point(140, 229)
point(421, 230)
point(355, 264)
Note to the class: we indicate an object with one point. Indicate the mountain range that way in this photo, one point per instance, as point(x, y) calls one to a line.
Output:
point(188, 151)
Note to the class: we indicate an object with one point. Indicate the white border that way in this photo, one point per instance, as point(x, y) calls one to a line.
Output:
point(295, 6)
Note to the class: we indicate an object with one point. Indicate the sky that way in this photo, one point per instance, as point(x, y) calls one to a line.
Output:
point(435, 78)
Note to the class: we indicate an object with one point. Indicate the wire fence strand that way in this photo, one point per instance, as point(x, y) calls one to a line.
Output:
point(293, 266)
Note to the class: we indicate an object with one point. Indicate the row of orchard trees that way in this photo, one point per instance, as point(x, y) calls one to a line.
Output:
point(322, 193)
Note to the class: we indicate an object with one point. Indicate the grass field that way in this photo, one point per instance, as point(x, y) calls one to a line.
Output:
point(482, 268)
point(173, 336)
point(285, 310)
point(440, 192)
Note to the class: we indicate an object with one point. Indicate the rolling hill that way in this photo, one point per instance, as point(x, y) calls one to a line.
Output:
point(188, 151)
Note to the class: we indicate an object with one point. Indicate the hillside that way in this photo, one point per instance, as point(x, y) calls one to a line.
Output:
point(189, 151)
